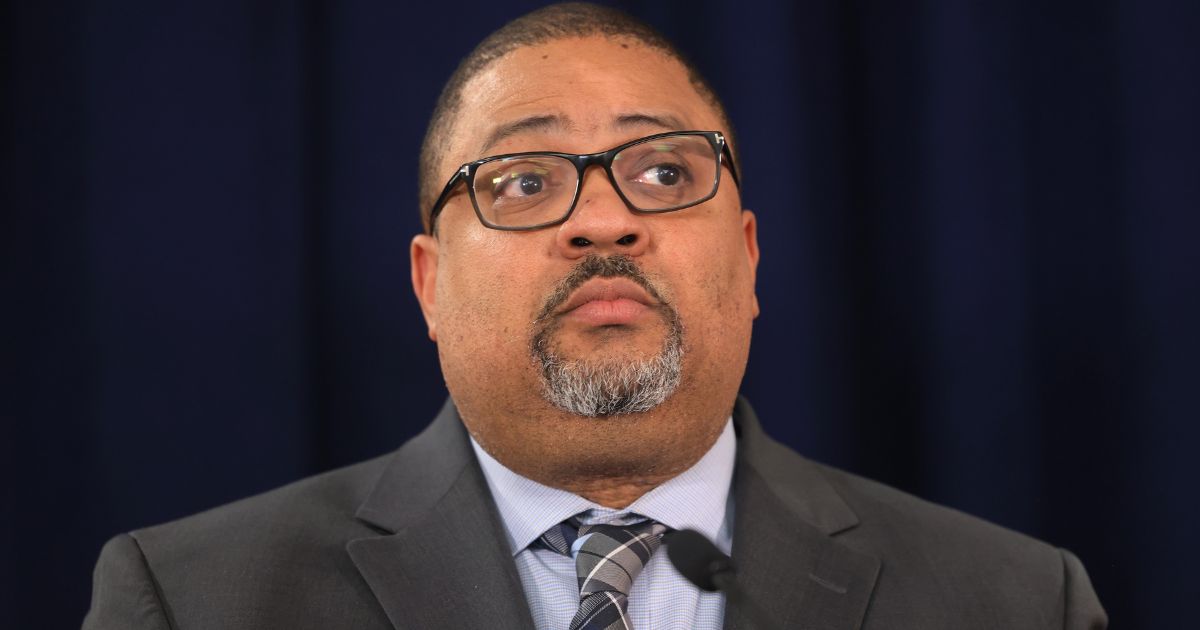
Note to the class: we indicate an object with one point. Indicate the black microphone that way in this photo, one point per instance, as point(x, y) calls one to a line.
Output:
point(698, 560)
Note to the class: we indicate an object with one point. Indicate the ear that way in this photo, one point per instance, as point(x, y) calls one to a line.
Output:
point(750, 233)
point(424, 257)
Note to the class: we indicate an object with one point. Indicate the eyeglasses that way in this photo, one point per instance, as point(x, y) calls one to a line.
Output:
point(527, 191)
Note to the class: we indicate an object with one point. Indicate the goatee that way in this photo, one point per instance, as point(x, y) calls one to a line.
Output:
point(612, 386)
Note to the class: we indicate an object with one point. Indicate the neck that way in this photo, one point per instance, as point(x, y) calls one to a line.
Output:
point(608, 468)
point(612, 493)
point(611, 461)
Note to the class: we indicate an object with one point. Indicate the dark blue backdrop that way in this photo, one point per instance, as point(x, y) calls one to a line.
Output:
point(980, 277)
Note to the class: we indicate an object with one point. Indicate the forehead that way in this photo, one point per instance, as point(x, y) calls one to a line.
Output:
point(594, 91)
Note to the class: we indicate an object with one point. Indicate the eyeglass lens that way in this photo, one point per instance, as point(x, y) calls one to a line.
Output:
point(656, 175)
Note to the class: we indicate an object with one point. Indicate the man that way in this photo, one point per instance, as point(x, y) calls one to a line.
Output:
point(588, 277)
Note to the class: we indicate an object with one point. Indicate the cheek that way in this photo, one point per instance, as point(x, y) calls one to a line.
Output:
point(472, 305)
point(484, 300)
point(723, 292)
point(715, 295)
point(714, 273)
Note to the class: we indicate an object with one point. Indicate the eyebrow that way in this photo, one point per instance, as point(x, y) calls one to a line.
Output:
point(532, 123)
point(551, 122)
point(664, 121)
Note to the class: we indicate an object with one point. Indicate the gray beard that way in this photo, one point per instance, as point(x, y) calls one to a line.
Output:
point(612, 387)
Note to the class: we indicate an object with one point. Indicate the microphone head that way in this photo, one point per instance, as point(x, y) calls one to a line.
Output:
point(696, 558)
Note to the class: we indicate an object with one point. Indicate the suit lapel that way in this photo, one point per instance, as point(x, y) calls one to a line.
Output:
point(788, 559)
point(441, 560)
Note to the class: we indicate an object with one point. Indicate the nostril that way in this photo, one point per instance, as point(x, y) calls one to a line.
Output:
point(579, 241)
point(628, 239)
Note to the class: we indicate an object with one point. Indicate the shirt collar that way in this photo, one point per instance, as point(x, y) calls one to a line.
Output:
point(694, 499)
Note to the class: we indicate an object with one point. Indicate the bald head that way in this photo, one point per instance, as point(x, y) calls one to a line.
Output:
point(559, 21)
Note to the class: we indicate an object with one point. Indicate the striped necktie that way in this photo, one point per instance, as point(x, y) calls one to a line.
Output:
point(608, 558)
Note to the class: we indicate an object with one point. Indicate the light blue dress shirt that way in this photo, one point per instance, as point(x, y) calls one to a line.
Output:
point(698, 499)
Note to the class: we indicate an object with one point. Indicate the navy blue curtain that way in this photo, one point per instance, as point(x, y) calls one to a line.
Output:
point(980, 278)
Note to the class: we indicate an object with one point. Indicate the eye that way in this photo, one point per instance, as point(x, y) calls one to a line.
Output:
point(518, 184)
point(666, 174)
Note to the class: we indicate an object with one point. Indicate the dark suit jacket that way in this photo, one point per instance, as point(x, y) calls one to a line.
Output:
point(412, 540)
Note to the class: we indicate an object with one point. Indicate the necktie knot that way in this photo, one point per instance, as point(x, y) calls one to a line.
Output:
point(608, 558)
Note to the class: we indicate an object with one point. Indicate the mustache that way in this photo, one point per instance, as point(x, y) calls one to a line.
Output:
point(593, 266)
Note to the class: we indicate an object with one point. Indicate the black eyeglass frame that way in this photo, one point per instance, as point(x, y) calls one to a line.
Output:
point(466, 174)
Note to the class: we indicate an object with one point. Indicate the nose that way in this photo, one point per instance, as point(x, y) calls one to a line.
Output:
point(602, 224)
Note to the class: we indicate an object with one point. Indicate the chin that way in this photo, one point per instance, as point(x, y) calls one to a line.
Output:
point(611, 388)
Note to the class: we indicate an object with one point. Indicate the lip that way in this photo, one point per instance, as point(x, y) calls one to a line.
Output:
point(607, 302)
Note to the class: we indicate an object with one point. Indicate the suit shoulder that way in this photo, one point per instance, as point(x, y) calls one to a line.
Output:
point(965, 563)
point(920, 542)
point(326, 501)
point(875, 515)
point(883, 509)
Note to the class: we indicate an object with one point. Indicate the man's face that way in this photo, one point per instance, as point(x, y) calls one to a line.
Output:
point(491, 297)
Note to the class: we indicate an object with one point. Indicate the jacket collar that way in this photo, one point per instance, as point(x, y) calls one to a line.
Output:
point(786, 519)
point(440, 559)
